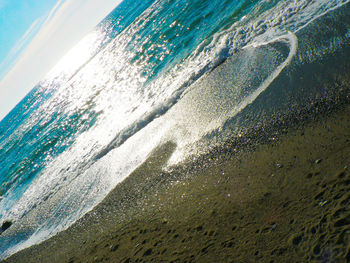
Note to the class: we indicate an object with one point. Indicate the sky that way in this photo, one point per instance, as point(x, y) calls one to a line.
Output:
point(35, 34)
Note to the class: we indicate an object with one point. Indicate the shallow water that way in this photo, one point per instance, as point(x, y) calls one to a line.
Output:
point(152, 71)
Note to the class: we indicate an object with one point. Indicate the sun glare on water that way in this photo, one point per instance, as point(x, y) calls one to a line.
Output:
point(78, 55)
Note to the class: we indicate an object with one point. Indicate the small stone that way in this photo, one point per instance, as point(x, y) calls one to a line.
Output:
point(5, 225)
point(113, 247)
point(317, 161)
point(279, 165)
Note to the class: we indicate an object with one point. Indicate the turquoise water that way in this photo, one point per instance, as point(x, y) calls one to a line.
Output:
point(130, 85)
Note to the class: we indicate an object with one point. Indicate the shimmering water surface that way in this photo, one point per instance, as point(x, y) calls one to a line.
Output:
point(144, 76)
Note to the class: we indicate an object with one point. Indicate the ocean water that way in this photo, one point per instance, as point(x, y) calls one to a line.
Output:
point(191, 72)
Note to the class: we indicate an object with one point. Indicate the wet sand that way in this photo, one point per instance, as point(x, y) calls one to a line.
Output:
point(283, 201)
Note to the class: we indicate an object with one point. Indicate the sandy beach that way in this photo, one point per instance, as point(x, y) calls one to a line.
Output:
point(283, 201)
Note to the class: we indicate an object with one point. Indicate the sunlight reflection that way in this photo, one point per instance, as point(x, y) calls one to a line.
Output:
point(79, 55)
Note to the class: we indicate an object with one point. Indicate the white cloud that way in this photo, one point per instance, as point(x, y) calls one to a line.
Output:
point(66, 24)
point(25, 37)
point(19, 46)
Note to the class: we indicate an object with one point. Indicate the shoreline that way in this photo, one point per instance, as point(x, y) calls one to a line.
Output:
point(284, 200)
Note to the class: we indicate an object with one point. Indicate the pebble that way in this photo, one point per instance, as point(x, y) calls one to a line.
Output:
point(6, 225)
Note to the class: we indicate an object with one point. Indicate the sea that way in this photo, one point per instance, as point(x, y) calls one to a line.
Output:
point(192, 72)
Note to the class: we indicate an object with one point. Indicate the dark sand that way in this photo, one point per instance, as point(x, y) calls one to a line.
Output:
point(283, 201)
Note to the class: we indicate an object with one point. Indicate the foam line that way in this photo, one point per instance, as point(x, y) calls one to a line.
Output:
point(320, 15)
point(290, 39)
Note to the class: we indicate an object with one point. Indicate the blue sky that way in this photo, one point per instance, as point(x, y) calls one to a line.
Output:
point(35, 34)
point(19, 21)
